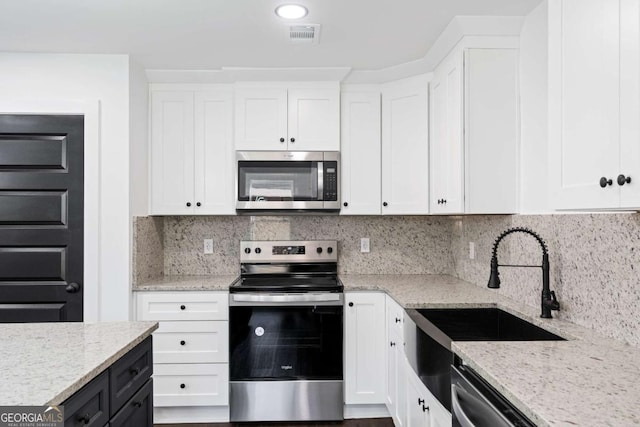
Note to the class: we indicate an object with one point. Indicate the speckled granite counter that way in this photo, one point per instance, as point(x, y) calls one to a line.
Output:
point(588, 380)
point(188, 283)
point(45, 363)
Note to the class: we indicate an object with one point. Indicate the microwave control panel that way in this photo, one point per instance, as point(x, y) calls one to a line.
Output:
point(331, 181)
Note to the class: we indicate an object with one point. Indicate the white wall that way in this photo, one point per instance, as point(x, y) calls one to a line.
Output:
point(39, 82)
point(138, 139)
point(533, 110)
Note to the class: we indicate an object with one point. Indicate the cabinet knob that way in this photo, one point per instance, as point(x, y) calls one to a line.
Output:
point(182, 385)
point(623, 179)
point(425, 408)
point(281, 139)
point(72, 288)
point(182, 342)
point(420, 401)
point(398, 320)
point(384, 204)
point(439, 201)
point(134, 371)
point(137, 404)
point(188, 204)
point(84, 418)
point(350, 304)
point(345, 204)
point(604, 182)
point(198, 204)
point(292, 140)
point(444, 201)
point(182, 307)
point(392, 344)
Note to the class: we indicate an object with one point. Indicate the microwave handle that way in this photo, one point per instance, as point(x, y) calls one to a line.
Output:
point(320, 180)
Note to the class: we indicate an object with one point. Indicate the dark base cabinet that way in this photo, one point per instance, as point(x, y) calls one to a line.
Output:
point(124, 391)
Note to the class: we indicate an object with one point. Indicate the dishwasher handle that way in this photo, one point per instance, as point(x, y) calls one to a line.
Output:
point(461, 416)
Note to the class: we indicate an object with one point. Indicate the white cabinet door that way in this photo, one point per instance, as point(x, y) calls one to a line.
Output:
point(446, 137)
point(491, 131)
point(417, 403)
point(214, 161)
point(261, 119)
point(364, 338)
point(314, 120)
point(584, 97)
point(171, 152)
point(630, 102)
point(405, 147)
point(360, 153)
point(396, 381)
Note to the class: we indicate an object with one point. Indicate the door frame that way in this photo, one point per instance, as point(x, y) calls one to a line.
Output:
point(90, 109)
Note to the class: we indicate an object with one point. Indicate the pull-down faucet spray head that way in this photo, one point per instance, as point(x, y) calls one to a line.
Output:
point(494, 278)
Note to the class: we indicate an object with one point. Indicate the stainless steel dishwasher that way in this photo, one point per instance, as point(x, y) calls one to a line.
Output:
point(474, 403)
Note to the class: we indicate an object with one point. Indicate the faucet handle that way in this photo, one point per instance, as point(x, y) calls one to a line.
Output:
point(555, 305)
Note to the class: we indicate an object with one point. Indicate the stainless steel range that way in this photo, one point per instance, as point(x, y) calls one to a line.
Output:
point(286, 333)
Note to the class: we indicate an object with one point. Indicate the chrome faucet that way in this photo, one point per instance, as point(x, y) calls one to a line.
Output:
point(549, 301)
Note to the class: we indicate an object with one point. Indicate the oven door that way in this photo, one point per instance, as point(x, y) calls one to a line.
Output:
point(285, 342)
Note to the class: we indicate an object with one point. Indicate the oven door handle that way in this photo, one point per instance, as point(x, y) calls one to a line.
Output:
point(303, 298)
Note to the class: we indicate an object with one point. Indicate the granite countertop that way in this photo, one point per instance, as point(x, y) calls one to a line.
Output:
point(587, 380)
point(188, 283)
point(45, 363)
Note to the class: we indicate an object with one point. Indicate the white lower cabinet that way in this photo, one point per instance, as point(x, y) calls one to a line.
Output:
point(190, 355)
point(395, 393)
point(364, 340)
point(422, 408)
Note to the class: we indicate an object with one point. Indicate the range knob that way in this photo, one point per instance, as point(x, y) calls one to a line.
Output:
point(319, 250)
point(258, 250)
point(329, 250)
point(247, 250)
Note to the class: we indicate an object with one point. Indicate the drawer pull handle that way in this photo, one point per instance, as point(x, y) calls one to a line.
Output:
point(182, 342)
point(137, 404)
point(182, 307)
point(134, 371)
point(182, 385)
point(84, 418)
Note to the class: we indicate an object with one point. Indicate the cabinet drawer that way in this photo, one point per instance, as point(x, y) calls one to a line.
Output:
point(138, 411)
point(90, 405)
point(191, 385)
point(191, 342)
point(129, 373)
point(183, 306)
point(395, 316)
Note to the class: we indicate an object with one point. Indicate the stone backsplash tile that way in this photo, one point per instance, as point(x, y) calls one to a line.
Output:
point(148, 249)
point(594, 265)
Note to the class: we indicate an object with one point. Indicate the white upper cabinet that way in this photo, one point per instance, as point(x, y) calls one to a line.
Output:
point(405, 147)
point(446, 139)
point(594, 95)
point(192, 151)
point(360, 153)
point(475, 132)
point(287, 118)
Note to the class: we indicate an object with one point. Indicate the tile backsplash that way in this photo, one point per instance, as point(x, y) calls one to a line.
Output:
point(593, 256)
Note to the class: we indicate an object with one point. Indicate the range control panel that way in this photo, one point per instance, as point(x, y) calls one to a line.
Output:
point(288, 251)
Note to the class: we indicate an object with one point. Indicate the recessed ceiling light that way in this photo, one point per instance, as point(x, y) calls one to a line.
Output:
point(291, 11)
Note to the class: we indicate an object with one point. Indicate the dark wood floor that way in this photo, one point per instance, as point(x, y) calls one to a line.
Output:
point(369, 422)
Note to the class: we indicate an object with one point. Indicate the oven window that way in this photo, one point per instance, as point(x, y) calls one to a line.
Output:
point(277, 181)
point(285, 343)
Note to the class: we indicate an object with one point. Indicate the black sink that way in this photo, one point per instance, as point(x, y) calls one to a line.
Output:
point(485, 324)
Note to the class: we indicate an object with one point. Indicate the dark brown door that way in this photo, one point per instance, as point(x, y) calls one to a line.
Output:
point(41, 217)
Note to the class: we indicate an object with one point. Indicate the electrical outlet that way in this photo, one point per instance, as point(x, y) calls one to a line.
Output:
point(364, 245)
point(472, 250)
point(208, 246)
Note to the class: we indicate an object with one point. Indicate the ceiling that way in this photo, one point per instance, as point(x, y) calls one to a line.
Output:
point(211, 34)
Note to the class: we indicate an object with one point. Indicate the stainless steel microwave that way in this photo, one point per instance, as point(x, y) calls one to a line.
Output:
point(288, 181)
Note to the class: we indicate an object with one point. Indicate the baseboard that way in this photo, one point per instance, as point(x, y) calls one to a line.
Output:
point(365, 411)
point(191, 414)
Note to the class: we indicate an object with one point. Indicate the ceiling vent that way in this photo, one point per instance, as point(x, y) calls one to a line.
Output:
point(307, 33)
